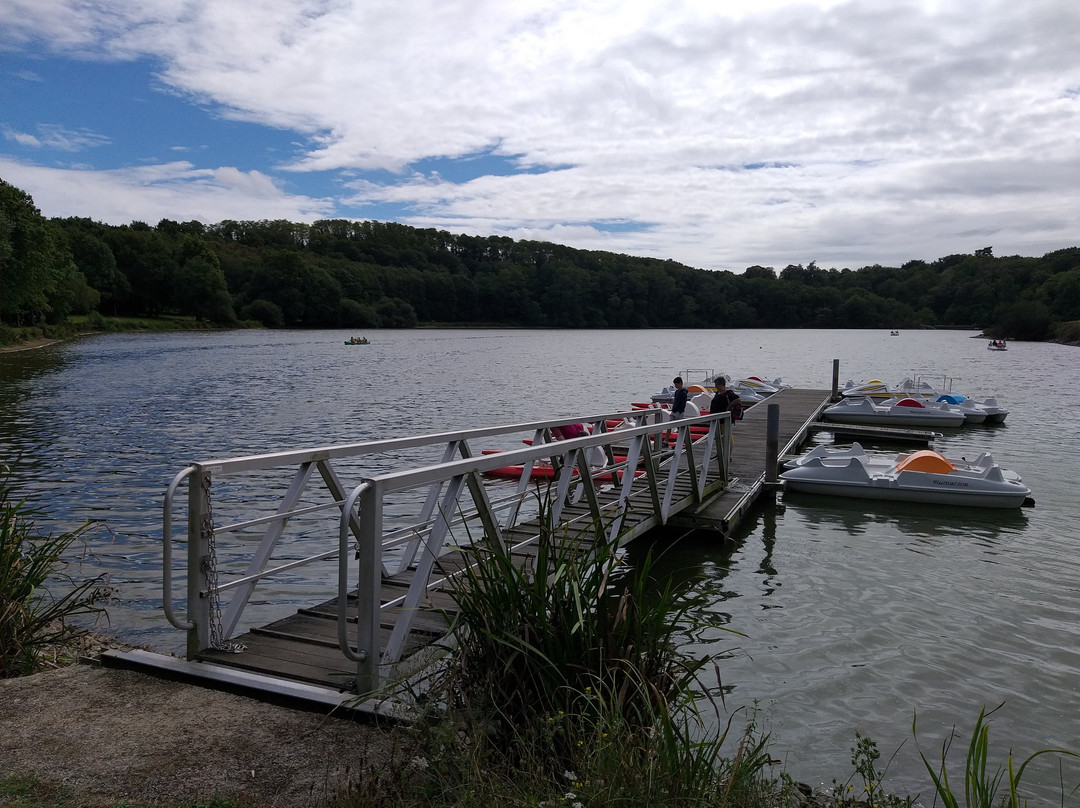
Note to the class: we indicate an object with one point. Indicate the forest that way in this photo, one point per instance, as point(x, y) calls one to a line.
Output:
point(367, 274)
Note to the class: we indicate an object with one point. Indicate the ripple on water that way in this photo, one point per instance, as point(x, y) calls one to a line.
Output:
point(855, 616)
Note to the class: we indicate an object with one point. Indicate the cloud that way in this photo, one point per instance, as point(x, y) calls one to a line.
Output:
point(22, 138)
point(724, 133)
point(57, 137)
point(177, 191)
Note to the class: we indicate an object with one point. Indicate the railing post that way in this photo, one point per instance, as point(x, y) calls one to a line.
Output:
point(369, 583)
point(772, 445)
point(835, 380)
point(200, 529)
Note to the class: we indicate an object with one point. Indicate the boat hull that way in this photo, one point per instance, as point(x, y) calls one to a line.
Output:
point(920, 477)
point(933, 495)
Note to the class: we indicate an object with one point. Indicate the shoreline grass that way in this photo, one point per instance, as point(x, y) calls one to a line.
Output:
point(34, 620)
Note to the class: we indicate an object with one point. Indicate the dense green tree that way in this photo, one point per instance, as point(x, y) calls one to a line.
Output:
point(201, 291)
point(336, 273)
point(394, 312)
point(265, 312)
point(146, 260)
point(357, 315)
point(37, 274)
point(1027, 319)
point(95, 260)
point(1060, 293)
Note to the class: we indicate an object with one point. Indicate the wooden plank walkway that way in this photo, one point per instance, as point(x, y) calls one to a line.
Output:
point(799, 410)
point(304, 647)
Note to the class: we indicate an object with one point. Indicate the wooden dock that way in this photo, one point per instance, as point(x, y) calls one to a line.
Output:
point(406, 611)
point(304, 646)
point(800, 410)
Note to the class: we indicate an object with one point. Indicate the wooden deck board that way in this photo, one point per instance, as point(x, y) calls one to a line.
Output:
point(304, 646)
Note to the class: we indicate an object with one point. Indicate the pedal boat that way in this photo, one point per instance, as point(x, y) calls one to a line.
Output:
point(903, 412)
point(990, 411)
point(923, 476)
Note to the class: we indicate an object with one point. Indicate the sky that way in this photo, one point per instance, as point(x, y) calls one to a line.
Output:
point(719, 133)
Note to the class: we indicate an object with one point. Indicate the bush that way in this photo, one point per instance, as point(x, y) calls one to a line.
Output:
point(32, 619)
point(1067, 332)
point(265, 311)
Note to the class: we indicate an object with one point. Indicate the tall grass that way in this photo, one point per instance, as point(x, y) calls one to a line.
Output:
point(565, 688)
point(983, 788)
point(32, 618)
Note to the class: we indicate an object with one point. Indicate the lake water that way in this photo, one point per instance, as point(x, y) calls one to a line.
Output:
point(855, 615)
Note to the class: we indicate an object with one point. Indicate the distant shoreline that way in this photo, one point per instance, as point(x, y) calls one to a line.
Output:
point(41, 342)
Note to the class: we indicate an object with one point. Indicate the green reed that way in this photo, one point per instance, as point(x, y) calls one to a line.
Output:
point(983, 788)
point(565, 688)
point(33, 619)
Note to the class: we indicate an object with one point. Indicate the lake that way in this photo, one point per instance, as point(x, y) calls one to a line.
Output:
point(856, 615)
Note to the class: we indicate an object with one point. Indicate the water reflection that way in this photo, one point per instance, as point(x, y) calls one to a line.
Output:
point(20, 397)
point(926, 526)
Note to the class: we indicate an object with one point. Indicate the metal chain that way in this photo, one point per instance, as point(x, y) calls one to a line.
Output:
point(217, 641)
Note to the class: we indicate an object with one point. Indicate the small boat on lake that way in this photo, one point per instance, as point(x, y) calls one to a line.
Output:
point(902, 412)
point(357, 341)
point(997, 345)
point(923, 476)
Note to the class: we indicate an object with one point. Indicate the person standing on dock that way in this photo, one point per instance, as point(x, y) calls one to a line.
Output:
point(724, 398)
point(678, 404)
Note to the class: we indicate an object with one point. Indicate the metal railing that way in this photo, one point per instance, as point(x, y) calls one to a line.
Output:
point(409, 500)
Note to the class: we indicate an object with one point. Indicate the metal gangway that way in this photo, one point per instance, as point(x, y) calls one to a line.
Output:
point(333, 565)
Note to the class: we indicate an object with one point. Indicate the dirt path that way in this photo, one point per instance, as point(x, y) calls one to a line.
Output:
point(113, 735)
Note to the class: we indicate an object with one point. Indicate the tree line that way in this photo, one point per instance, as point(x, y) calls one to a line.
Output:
point(365, 274)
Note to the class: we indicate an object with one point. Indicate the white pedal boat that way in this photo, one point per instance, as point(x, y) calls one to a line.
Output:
point(903, 412)
point(749, 395)
point(759, 385)
point(994, 412)
point(924, 476)
point(917, 388)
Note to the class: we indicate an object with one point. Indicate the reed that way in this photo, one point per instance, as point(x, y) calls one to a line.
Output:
point(34, 619)
point(983, 788)
point(565, 688)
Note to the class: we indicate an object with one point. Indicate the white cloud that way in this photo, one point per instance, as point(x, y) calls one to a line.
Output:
point(22, 138)
point(885, 131)
point(177, 191)
point(58, 137)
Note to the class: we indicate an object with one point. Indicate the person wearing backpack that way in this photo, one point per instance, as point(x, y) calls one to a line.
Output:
point(726, 400)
